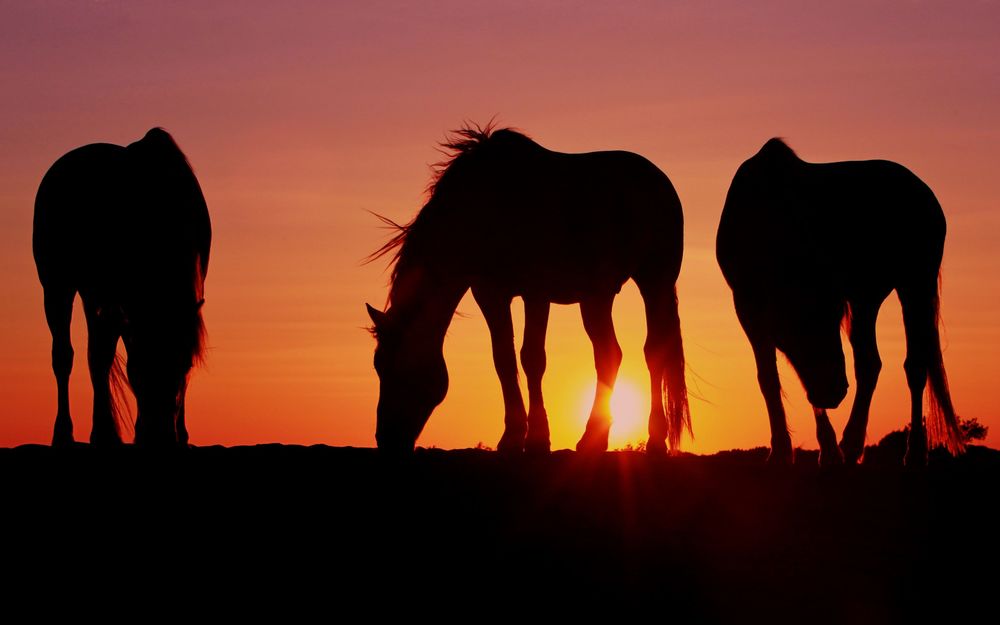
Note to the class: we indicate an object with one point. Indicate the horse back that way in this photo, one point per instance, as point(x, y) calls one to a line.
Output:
point(853, 222)
point(569, 224)
point(881, 220)
point(107, 215)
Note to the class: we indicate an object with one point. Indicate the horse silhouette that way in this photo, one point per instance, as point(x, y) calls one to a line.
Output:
point(128, 229)
point(507, 218)
point(807, 246)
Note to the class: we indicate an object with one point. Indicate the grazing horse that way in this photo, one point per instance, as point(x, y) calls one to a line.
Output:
point(508, 218)
point(805, 246)
point(128, 229)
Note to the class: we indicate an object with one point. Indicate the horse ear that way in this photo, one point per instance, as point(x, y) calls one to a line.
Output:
point(378, 317)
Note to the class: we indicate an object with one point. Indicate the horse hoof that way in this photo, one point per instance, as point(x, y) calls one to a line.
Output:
point(63, 439)
point(656, 447)
point(537, 447)
point(916, 450)
point(510, 445)
point(852, 445)
point(105, 439)
point(592, 444)
point(831, 457)
point(168, 443)
point(595, 436)
point(780, 457)
point(852, 453)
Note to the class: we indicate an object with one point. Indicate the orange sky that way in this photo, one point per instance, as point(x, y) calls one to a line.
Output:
point(298, 118)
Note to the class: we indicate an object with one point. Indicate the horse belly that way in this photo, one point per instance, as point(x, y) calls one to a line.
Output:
point(565, 282)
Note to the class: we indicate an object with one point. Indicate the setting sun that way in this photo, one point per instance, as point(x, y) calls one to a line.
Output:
point(480, 306)
point(629, 412)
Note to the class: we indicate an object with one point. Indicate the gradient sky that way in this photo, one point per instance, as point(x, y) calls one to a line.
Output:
point(300, 116)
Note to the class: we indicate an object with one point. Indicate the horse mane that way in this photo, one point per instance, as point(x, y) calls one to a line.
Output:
point(466, 141)
point(200, 333)
point(461, 147)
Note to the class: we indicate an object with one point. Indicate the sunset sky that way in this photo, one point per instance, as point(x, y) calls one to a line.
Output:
point(300, 117)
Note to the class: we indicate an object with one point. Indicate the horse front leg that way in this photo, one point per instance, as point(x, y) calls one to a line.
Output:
point(496, 310)
point(600, 328)
point(58, 314)
point(765, 355)
point(182, 433)
point(829, 452)
point(536, 319)
point(867, 366)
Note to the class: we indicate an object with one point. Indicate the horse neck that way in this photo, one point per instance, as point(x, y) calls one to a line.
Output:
point(427, 299)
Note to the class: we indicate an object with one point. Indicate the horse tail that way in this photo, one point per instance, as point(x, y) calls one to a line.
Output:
point(120, 409)
point(942, 423)
point(675, 396)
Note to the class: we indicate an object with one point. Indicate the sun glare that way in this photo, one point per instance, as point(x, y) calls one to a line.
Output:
point(629, 411)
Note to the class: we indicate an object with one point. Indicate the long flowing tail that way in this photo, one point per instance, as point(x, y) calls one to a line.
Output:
point(675, 397)
point(119, 396)
point(942, 423)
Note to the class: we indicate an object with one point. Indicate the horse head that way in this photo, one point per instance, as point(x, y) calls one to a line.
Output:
point(164, 338)
point(413, 380)
point(164, 330)
point(806, 328)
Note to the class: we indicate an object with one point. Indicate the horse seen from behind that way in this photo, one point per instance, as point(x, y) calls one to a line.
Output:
point(126, 228)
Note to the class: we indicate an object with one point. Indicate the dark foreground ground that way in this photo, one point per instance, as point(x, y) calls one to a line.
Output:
point(460, 535)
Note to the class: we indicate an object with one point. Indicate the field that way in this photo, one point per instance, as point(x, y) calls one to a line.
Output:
point(454, 534)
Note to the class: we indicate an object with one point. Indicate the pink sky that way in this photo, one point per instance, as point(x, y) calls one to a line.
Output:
point(299, 117)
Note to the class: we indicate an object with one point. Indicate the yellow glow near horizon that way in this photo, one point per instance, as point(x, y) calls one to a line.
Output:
point(629, 412)
point(291, 144)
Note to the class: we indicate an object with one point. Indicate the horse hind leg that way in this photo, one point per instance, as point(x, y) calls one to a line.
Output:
point(102, 342)
point(536, 318)
point(58, 315)
point(664, 352)
point(655, 350)
point(600, 328)
point(920, 326)
point(867, 366)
